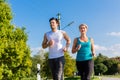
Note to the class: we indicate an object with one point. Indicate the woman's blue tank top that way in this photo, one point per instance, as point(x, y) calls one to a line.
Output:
point(85, 51)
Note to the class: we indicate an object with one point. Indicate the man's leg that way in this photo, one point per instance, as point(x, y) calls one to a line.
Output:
point(60, 67)
point(52, 65)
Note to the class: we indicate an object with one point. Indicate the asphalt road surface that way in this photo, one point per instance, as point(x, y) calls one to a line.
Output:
point(107, 78)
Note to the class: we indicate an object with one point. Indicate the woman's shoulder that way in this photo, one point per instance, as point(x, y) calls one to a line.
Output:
point(76, 39)
point(90, 39)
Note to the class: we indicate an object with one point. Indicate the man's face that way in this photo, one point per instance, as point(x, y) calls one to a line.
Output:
point(53, 24)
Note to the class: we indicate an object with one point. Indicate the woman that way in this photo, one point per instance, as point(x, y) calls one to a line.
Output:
point(84, 46)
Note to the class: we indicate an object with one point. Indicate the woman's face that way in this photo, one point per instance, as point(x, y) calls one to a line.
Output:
point(83, 29)
point(53, 24)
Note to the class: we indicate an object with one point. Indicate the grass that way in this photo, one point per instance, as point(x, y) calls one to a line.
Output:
point(32, 78)
point(78, 78)
point(72, 78)
point(68, 78)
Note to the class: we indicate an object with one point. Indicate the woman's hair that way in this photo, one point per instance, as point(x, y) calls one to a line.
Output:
point(83, 25)
point(57, 21)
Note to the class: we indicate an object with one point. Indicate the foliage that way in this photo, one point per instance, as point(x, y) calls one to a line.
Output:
point(15, 60)
point(70, 66)
point(112, 66)
point(101, 65)
point(73, 78)
point(100, 58)
point(45, 69)
point(3, 0)
point(105, 65)
point(41, 58)
point(119, 68)
point(100, 68)
point(36, 59)
point(45, 72)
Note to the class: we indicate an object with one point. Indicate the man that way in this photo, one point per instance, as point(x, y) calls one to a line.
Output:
point(53, 40)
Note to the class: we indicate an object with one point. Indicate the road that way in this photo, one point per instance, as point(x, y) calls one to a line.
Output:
point(108, 78)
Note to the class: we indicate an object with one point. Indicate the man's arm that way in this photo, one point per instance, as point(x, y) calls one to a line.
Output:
point(67, 38)
point(45, 42)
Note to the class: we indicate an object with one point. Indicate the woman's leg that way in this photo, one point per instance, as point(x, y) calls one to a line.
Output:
point(80, 68)
point(89, 69)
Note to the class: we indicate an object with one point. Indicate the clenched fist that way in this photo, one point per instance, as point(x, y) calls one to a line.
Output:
point(51, 43)
point(78, 47)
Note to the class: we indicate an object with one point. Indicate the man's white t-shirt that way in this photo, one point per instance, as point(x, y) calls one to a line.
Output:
point(57, 49)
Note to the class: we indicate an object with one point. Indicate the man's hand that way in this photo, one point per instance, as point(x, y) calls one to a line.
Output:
point(51, 43)
point(65, 49)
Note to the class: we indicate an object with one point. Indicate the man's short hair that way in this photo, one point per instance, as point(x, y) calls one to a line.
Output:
point(54, 19)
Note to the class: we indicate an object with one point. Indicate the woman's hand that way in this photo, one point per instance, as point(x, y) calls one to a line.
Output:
point(93, 54)
point(78, 47)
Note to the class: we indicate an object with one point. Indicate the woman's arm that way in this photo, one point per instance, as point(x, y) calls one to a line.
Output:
point(92, 47)
point(75, 48)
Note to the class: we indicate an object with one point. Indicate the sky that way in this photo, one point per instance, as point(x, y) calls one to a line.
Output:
point(101, 16)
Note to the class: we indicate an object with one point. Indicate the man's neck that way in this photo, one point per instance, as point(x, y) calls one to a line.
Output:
point(54, 30)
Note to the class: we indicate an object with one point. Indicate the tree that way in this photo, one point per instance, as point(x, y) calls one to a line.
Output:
point(37, 59)
point(112, 66)
point(100, 58)
point(70, 66)
point(119, 68)
point(45, 69)
point(15, 60)
point(100, 68)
